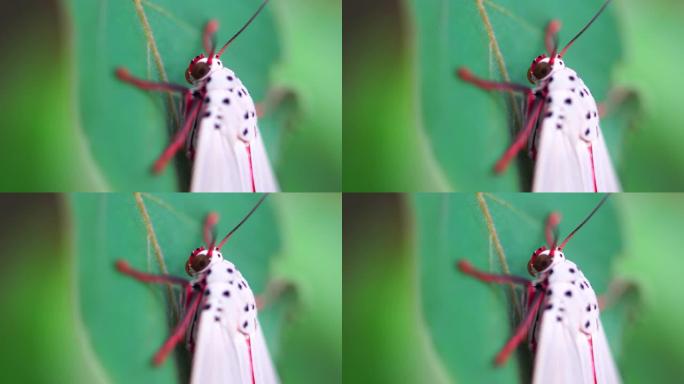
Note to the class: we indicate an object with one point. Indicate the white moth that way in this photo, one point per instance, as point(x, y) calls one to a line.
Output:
point(561, 318)
point(229, 154)
point(561, 125)
point(219, 317)
point(219, 125)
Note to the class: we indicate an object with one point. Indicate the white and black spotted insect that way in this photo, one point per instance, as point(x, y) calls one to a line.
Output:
point(561, 317)
point(219, 125)
point(219, 317)
point(561, 125)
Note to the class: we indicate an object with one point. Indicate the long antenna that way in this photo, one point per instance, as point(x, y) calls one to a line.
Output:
point(261, 200)
point(562, 53)
point(603, 200)
point(243, 28)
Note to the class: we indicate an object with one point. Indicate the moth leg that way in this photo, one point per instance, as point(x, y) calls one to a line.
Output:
point(466, 75)
point(551, 229)
point(180, 137)
point(209, 37)
point(521, 139)
point(616, 291)
point(125, 76)
point(551, 37)
point(179, 331)
point(189, 118)
point(520, 331)
point(123, 267)
point(467, 268)
point(274, 290)
point(616, 99)
point(210, 228)
point(274, 98)
point(534, 107)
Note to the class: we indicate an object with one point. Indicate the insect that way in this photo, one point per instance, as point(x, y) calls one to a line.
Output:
point(561, 124)
point(561, 315)
point(219, 316)
point(219, 124)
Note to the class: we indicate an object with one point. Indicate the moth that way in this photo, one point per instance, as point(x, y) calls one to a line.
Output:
point(561, 316)
point(561, 124)
point(219, 316)
point(219, 124)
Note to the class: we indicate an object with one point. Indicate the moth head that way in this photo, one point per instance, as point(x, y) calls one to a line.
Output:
point(200, 68)
point(542, 260)
point(200, 260)
point(541, 68)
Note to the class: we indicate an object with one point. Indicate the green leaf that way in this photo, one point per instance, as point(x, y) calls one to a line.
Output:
point(468, 128)
point(469, 320)
point(128, 320)
point(127, 129)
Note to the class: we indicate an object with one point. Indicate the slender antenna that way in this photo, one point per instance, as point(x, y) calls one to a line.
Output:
point(242, 221)
point(603, 200)
point(243, 28)
point(562, 53)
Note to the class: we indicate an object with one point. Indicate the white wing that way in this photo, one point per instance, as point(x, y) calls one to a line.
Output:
point(562, 163)
point(263, 173)
point(216, 166)
point(222, 358)
point(606, 178)
point(606, 371)
point(571, 153)
point(216, 358)
point(264, 371)
point(561, 354)
point(571, 345)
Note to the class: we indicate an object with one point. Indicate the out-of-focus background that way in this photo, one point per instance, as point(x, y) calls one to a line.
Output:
point(410, 317)
point(411, 125)
point(69, 125)
point(69, 317)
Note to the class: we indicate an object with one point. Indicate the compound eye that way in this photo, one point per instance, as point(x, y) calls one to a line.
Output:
point(199, 70)
point(542, 261)
point(541, 70)
point(199, 262)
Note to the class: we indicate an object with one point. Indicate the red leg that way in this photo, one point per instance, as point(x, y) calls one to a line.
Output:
point(178, 333)
point(123, 267)
point(209, 225)
point(467, 268)
point(179, 139)
point(466, 75)
point(551, 38)
point(125, 76)
point(551, 229)
point(520, 332)
point(208, 38)
point(521, 139)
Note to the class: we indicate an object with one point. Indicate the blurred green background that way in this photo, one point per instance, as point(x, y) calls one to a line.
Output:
point(69, 125)
point(69, 317)
point(411, 125)
point(410, 317)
